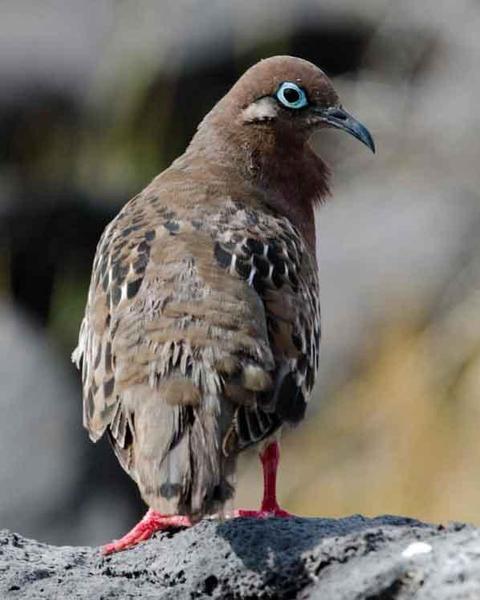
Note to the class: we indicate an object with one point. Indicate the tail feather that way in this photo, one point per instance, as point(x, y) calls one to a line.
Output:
point(178, 461)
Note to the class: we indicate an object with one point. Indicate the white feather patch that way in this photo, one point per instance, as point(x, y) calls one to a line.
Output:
point(260, 110)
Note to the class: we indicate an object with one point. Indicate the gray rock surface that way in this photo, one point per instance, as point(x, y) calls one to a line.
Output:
point(351, 558)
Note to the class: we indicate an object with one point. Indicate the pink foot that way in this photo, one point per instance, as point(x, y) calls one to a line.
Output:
point(262, 513)
point(151, 522)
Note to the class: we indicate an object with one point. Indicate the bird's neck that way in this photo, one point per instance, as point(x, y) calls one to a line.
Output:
point(291, 178)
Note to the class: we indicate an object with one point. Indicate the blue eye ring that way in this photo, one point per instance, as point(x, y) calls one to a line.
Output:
point(298, 97)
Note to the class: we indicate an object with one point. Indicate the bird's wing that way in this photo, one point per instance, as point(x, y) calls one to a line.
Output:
point(165, 321)
point(272, 257)
point(203, 309)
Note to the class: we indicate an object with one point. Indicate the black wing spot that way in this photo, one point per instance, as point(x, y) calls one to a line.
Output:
point(302, 364)
point(291, 403)
point(261, 265)
point(223, 257)
point(243, 268)
point(108, 387)
point(143, 247)
point(103, 265)
point(128, 230)
point(242, 426)
point(108, 357)
point(255, 246)
point(258, 283)
point(90, 404)
point(310, 379)
point(119, 272)
point(116, 295)
point(133, 287)
point(172, 227)
point(277, 278)
point(150, 235)
point(138, 219)
point(275, 255)
point(98, 356)
point(140, 264)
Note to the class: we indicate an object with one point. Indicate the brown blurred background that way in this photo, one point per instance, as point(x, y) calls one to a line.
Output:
point(96, 97)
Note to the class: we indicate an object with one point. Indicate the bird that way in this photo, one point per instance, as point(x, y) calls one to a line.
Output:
point(201, 332)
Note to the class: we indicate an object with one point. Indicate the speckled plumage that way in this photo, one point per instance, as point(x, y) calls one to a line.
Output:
point(202, 327)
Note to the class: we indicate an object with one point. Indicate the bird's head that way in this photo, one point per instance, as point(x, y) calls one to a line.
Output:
point(257, 133)
point(291, 96)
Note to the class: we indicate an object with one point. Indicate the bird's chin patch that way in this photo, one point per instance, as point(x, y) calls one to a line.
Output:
point(260, 111)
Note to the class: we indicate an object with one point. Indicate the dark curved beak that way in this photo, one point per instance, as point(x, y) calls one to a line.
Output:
point(338, 117)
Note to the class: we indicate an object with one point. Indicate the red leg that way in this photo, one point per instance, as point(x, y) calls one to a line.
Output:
point(151, 522)
point(270, 458)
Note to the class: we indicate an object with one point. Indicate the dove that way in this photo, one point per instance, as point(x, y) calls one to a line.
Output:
point(202, 327)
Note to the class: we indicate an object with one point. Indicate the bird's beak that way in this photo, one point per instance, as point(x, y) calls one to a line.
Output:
point(336, 116)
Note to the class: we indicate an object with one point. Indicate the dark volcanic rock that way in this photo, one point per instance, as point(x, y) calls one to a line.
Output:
point(353, 558)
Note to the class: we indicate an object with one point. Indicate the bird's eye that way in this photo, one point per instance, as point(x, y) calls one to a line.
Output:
point(291, 95)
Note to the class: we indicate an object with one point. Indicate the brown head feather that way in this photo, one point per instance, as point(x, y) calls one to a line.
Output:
point(267, 143)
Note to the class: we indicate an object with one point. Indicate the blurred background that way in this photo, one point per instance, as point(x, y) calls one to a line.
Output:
point(99, 96)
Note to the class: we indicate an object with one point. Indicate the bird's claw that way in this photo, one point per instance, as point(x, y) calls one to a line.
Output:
point(275, 512)
point(151, 522)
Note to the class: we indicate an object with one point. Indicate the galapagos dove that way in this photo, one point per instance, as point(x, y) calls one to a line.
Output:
point(202, 327)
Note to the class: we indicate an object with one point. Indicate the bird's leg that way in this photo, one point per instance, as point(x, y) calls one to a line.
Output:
point(270, 458)
point(152, 521)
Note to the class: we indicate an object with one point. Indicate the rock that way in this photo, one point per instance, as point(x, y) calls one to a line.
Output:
point(351, 558)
